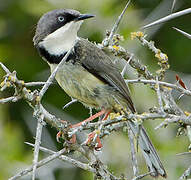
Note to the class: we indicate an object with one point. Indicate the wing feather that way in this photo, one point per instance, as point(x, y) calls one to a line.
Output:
point(98, 63)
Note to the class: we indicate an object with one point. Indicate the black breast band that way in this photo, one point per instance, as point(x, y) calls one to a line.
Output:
point(53, 59)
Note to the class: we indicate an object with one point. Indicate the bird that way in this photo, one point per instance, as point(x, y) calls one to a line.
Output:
point(89, 74)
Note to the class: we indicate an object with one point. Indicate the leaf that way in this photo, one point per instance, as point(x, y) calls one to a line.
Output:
point(179, 80)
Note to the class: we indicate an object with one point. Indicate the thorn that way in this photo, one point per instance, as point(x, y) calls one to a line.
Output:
point(70, 103)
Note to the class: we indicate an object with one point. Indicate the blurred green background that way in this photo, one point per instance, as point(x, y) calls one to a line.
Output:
point(18, 19)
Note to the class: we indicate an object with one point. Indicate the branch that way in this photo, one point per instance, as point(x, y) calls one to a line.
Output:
point(182, 32)
point(67, 159)
point(186, 174)
point(29, 84)
point(169, 17)
point(125, 67)
point(40, 124)
point(159, 96)
point(134, 63)
point(70, 103)
point(52, 76)
point(161, 57)
point(5, 68)
point(10, 99)
point(173, 5)
point(106, 42)
point(39, 164)
point(161, 83)
point(141, 176)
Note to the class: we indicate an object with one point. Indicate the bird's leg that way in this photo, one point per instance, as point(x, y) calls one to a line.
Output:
point(92, 136)
point(106, 115)
point(95, 135)
point(91, 118)
point(73, 139)
point(60, 133)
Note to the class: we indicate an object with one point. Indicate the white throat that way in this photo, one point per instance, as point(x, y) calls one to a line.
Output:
point(61, 40)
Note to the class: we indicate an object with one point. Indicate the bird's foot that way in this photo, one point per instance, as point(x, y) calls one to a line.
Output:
point(60, 135)
point(94, 137)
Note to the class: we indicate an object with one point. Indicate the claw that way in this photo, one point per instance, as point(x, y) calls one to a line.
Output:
point(94, 136)
point(58, 136)
point(60, 133)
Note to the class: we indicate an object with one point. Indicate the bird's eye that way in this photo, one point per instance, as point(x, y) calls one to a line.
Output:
point(60, 18)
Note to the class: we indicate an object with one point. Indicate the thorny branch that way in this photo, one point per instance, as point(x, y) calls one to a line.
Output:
point(107, 126)
point(52, 76)
point(169, 17)
point(39, 164)
point(173, 5)
point(106, 41)
point(40, 124)
point(182, 32)
point(167, 108)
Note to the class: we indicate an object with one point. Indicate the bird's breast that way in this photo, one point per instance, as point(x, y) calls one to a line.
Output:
point(78, 83)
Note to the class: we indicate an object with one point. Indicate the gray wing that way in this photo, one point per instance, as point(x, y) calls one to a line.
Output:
point(98, 63)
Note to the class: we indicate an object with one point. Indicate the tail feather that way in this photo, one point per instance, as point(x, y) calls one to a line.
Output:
point(151, 157)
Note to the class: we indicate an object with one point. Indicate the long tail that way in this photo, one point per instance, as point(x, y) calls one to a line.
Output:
point(151, 157)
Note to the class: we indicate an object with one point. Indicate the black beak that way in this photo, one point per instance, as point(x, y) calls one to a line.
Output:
point(84, 16)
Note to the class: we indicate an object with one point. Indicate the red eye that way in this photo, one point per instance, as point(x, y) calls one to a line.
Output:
point(60, 18)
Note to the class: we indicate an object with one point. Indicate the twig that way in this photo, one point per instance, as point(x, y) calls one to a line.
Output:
point(106, 42)
point(53, 120)
point(37, 144)
point(161, 57)
point(5, 68)
point(52, 76)
point(134, 63)
point(170, 104)
point(10, 99)
point(141, 176)
point(68, 104)
point(39, 164)
point(186, 174)
point(29, 84)
point(167, 121)
point(169, 17)
point(183, 153)
point(133, 152)
point(67, 159)
point(101, 169)
point(188, 128)
point(159, 96)
point(125, 67)
point(90, 112)
point(173, 5)
point(182, 32)
point(161, 83)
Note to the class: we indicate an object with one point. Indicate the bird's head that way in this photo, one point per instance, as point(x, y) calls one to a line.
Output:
point(59, 23)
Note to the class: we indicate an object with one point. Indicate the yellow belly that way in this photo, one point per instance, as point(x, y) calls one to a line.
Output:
point(78, 83)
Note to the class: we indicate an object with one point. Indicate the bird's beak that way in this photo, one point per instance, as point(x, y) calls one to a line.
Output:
point(84, 16)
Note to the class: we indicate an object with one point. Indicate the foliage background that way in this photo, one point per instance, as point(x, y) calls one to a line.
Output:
point(17, 25)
